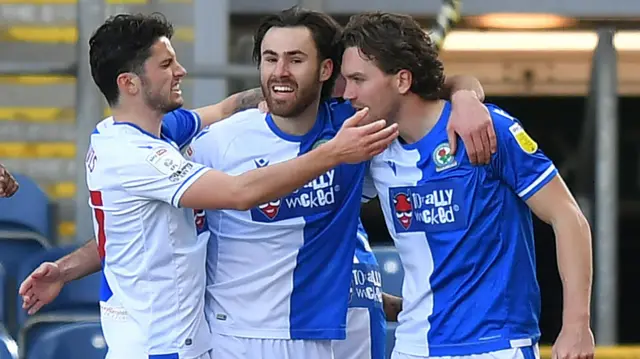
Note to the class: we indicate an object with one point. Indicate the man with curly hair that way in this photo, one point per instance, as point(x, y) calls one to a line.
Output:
point(464, 233)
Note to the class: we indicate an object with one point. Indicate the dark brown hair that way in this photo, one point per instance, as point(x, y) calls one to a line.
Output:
point(397, 42)
point(123, 44)
point(324, 29)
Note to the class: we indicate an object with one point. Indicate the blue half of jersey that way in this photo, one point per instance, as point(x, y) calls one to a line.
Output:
point(321, 276)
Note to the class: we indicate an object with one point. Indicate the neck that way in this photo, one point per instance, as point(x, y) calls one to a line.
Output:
point(301, 124)
point(141, 116)
point(416, 117)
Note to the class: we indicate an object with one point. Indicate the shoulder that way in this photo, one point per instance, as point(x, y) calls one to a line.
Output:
point(233, 125)
point(502, 119)
point(510, 131)
point(182, 112)
point(221, 134)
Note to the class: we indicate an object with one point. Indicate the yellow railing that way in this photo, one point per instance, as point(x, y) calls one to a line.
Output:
point(614, 352)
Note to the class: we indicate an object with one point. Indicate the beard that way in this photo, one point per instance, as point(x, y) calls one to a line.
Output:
point(302, 98)
point(159, 102)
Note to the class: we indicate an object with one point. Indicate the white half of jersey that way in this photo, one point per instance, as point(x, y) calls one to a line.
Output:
point(281, 270)
point(152, 299)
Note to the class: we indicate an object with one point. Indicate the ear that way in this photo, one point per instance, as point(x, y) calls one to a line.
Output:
point(326, 69)
point(404, 78)
point(129, 83)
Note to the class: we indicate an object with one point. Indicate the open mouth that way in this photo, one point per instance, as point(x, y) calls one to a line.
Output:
point(176, 89)
point(282, 89)
point(283, 92)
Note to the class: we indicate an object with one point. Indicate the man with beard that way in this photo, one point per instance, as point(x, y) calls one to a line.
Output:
point(141, 189)
point(278, 273)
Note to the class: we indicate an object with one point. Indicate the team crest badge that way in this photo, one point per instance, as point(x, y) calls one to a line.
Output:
point(443, 158)
point(526, 143)
point(319, 142)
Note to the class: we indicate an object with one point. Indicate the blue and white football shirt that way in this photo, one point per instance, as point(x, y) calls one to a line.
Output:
point(465, 237)
point(277, 271)
point(366, 322)
point(152, 297)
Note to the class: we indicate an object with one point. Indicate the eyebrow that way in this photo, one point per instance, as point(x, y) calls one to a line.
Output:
point(287, 53)
point(354, 74)
point(167, 59)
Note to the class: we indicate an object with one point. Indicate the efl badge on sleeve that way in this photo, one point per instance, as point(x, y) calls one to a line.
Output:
point(443, 158)
point(526, 143)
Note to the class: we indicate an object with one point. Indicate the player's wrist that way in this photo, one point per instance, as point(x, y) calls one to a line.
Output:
point(68, 271)
point(328, 153)
point(64, 269)
point(576, 318)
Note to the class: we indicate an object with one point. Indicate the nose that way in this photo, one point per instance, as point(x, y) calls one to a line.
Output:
point(180, 71)
point(349, 91)
point(281, 69)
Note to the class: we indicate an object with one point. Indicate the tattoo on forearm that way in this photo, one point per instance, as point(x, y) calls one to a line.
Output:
point(249, 99)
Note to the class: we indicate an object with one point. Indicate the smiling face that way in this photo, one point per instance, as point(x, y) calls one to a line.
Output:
point(291, 74)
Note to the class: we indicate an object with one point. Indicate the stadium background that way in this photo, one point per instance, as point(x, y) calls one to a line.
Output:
point(567, 68)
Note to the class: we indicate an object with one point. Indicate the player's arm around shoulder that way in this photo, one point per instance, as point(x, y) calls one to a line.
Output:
point(235, 103)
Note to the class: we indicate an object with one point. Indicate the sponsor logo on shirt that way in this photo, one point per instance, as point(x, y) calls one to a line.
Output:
point(317, 196)
point(428, 207)
point(200, 219)
point(366, 286)
point(170, 163)
point(182, 172)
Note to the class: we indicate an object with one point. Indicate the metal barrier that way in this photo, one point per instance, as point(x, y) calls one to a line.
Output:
point(606, 191)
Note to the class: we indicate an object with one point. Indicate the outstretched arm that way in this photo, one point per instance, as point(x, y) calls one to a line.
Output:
point(44, 284)
point(81, 262)
point(235, 103)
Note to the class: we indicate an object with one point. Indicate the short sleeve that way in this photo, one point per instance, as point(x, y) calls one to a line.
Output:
point(519, 162)
point(181, 126)
point(369, 191)
point(159, 172)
